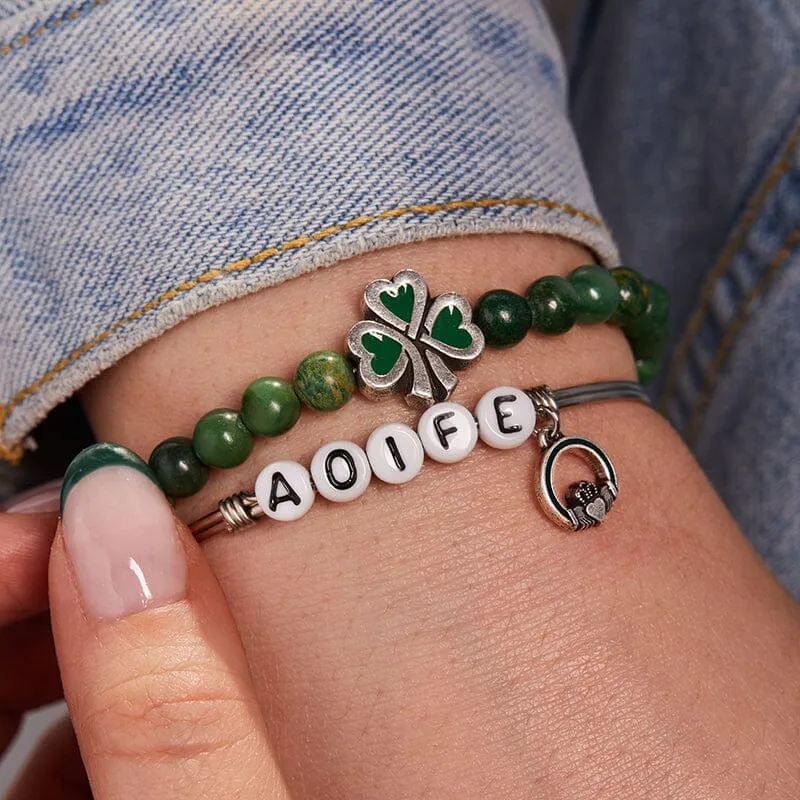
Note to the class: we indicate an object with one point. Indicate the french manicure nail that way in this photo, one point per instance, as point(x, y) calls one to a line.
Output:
point(119, 534)
point(37, 500)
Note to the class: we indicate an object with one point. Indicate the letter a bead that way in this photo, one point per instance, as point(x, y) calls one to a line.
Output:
point(506, 417)
point(395, 453)
point(340, 471)
point(448, 432)
point(284, 490)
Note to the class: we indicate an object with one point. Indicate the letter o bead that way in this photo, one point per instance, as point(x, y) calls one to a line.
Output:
point(340, 471)
point(506, 417)
point(284, 490)
point(395, 453)
point(448, 432)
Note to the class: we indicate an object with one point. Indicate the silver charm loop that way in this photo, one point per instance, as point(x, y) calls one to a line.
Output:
point(546, 406)
point(412, 343)
point(586, 504)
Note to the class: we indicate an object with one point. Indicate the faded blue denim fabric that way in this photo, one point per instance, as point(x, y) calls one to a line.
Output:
point(157, 158)
point(689, 118)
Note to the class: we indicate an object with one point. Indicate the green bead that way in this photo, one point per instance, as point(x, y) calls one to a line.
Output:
point(649, 332)
point(598, 294)
point(178, 469)
point(324, 380)
point(632, 300)
point(655, 317)
point(503, 317)
point(554, 305)
point(270, 406)
point(221, 439)
point(647, 369)
point(102, 454)
point(654, 347)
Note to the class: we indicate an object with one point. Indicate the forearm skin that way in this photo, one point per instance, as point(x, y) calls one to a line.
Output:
point(443, 639)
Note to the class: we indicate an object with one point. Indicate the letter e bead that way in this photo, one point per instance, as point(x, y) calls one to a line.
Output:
point(506, 417)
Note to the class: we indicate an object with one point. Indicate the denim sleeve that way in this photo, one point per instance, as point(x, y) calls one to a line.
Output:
point(689, 117)
point(158, 158)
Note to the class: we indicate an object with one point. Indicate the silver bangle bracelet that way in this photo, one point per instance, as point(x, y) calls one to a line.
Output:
point(505, 417)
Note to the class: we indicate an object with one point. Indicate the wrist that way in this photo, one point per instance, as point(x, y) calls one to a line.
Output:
point(205, 362)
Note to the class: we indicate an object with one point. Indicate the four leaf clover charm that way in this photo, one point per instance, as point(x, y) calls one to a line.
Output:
point(412, 343)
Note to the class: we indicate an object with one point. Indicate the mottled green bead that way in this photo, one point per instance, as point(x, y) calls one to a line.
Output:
point(647, 369)
point(102, 454)
point(178, 469)
point(324, 381)
point(598, 293)
point(554, 305)
point(649, 332)
point(270, 406)
point(221, 439)
point(632, 300)
point(503, 317)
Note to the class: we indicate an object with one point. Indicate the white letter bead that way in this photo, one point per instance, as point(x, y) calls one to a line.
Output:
point(340, 471)
point(395, 453)
point(506, 417)
point(284, 491)
point(448, 432)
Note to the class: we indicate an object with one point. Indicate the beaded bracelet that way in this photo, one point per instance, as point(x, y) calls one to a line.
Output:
point(447, 432)
point(413, 343)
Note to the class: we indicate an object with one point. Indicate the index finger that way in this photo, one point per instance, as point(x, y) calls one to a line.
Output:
point(154, 672)
point(25, 541)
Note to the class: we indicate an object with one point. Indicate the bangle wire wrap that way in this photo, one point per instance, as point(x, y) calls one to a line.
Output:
point(242, 510)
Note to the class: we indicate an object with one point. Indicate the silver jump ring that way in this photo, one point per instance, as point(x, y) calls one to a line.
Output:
point(546, 406)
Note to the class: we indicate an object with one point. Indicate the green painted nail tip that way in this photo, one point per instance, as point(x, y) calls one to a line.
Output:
point(102, 454)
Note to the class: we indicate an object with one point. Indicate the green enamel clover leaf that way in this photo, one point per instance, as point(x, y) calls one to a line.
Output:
point(412, 343)
point(447, 328)
point(385, 352)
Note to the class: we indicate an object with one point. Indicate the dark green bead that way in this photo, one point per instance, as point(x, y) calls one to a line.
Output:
point(655, 317)
point(649, 347)
point(647, 369)
point(324, 380)
point(503, 317)
point(221, 439)
point(102, 454)
point(632, 300)
point(178, 469)
point(554, 305)
point(598, 293)
point(270, 406)
point(649, 332)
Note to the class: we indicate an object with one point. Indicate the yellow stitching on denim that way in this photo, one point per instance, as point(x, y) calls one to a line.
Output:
point(721, 266)
point(735, 328)
point(13, 454)
point(27, 38)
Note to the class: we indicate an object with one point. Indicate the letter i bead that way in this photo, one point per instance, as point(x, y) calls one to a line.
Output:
point(395, 453)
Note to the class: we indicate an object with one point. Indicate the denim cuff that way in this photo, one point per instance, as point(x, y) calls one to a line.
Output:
point(158, 158)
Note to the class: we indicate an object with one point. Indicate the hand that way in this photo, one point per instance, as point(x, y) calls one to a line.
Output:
point(154, 674)
point(28, 669)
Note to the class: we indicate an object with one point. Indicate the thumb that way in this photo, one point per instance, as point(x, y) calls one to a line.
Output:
point(154, 672)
